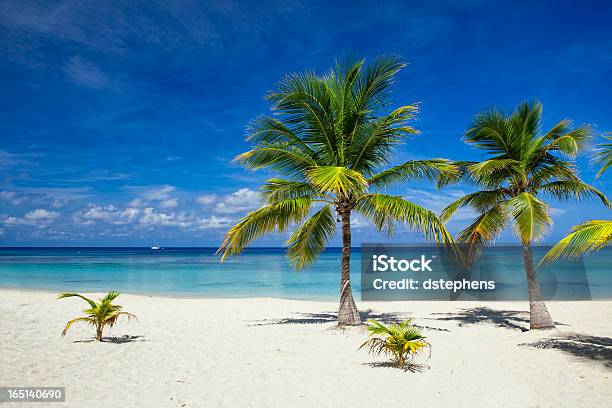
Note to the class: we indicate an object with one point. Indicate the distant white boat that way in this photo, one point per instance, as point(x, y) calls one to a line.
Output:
point(155, 246)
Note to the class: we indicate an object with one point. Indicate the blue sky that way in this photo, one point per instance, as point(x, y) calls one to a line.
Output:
point(118, 120)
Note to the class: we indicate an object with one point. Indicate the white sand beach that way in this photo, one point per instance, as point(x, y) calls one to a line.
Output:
point(285, 353)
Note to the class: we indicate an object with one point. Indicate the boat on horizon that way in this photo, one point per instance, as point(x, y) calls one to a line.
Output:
point(155, 246)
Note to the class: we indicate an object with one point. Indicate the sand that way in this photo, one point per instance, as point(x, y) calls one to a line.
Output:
point(284, 353)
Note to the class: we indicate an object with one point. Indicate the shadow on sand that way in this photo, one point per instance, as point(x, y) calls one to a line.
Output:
point(116, 340)
point(508, 319)
point(579, 345)
point(412, 367)
point(332, 317)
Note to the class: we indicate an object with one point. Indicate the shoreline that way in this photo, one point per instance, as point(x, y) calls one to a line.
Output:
point(311, 299)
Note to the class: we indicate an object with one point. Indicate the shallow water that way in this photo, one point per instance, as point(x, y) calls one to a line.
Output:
point(198, 272)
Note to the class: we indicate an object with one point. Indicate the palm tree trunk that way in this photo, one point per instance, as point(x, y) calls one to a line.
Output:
point(99, 333)
point(347, 313)
point(539, 316)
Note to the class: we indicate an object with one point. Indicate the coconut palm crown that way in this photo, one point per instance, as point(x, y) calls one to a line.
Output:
point(524, 167)
point(328, 140)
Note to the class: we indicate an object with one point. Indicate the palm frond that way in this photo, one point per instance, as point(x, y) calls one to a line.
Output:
point(386, 212)
point(88, 320)
point(483, 230)
point(110, 297)
point(489, 132)
point(337, 180)
point(279, 157)
point(66, 295)
point(603, 155)
point(265, 130)
point(479, 200)
point(531, 216)
point(308, 241)
point(571, 142)
point(372, 88)
point(586, 237)
point(372, 145)
point(304, 100)
point(573, 190)
point(275, 190)
point(414, 170)
point(111, 319)
point(495, 165)
point(273, 217)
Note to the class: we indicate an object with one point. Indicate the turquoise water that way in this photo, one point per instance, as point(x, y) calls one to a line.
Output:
point(197, 272)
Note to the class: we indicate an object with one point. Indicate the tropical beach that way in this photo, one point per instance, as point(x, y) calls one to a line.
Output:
point(280, 204)
point(273, 352)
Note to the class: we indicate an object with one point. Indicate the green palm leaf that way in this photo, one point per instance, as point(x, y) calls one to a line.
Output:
point(573, 190)
point(88, 300)
point(386, 212)
point(275, 190)
point(285, 159)
point(485, 228)
point(587, 237)
point(432, 169)
point(309, 240)
point(337, 180)
point(273, 217)
point(531, 216)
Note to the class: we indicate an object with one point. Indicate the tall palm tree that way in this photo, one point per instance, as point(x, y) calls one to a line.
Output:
point(523, 168)
point(590, 235)
point(328, 139)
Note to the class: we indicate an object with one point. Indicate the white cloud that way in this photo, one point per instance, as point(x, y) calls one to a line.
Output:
point(206, 199)
point(39, 218)
point(169, 203)
point(242, 200)
point(159, 193)
point(558, 211)
point(12, 197)
point(213, 222)
point(152, 218)
point(358, 221)
point(41, 214)
point(137, 202)
point(7, 195)
point(109, 214)
point(32, 199)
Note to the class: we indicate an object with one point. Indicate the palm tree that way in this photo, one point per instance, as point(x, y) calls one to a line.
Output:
point(523, 168)
point(328, 139)
point(99, 314)
point(591, 235)
point(402, 341)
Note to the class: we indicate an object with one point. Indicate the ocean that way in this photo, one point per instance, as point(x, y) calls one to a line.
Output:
point(197, 272)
